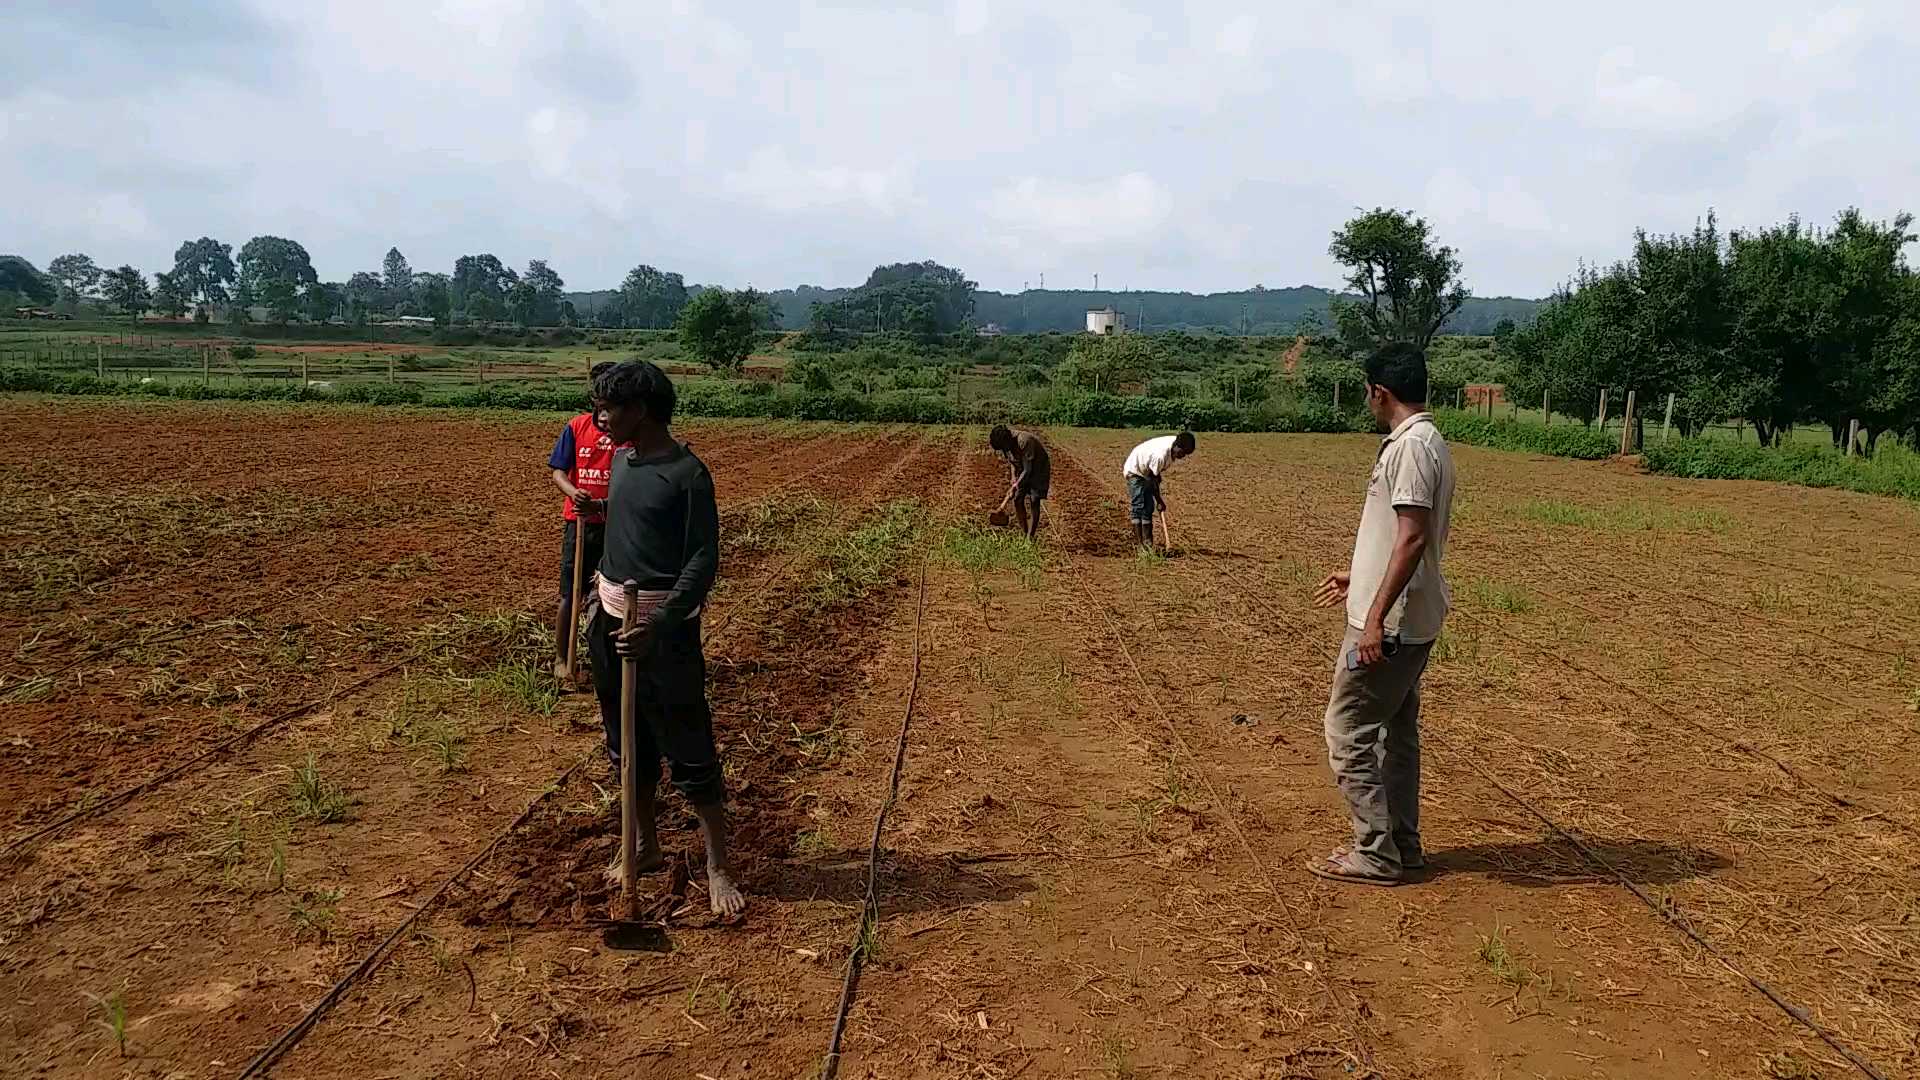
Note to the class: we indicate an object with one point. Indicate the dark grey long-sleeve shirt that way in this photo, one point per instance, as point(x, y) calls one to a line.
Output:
point(663, 530)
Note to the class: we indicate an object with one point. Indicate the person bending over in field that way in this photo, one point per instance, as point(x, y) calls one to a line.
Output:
point(1030, 473)
point(1146, 466)
point(663, 532)
point(581, 460)
point(1396, 601)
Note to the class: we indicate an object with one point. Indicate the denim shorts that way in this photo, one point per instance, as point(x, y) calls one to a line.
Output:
point(1140, 495)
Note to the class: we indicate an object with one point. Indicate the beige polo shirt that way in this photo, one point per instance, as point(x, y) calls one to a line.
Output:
point(1413, 469)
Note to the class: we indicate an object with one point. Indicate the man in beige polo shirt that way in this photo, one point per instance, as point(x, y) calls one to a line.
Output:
point(1396, 601)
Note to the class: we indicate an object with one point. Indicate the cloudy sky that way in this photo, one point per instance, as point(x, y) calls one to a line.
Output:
point(1197, 145)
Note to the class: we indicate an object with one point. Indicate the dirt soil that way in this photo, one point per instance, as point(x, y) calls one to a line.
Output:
point(1660, 706)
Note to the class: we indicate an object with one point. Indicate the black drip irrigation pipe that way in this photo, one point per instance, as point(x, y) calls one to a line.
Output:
point(1668, 912)
point(291, 1037)
point(870, 905)
point(230, 743)
point(1353, 1005)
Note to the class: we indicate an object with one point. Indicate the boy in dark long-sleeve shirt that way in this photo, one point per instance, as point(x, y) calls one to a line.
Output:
point(663, 533)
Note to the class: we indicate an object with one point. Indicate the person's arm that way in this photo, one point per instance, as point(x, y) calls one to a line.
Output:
point(1412, 475)
point(703, 559)
point(1409, 544)
point(561, 462)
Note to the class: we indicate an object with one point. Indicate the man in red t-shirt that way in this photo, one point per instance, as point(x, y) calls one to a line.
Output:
point(582, 462)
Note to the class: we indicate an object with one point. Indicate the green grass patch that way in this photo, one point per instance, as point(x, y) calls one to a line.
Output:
point(522, 682)
point(979, 549)
point(1499, 596)
point(316, 797)
point(861, 560)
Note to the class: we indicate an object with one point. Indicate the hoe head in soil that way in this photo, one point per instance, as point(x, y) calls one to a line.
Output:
point(999, 518)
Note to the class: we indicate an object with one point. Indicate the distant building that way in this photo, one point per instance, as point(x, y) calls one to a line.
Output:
point(992, 329)
point(1484, 394)
point(409, 320)
point(1106, 321)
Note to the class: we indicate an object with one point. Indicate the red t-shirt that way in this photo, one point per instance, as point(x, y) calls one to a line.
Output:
point(586, 453)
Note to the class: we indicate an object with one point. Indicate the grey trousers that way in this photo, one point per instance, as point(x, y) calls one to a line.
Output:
point(1373, 747)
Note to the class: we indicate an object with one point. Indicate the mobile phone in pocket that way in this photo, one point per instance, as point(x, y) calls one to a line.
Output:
point(1388, 646)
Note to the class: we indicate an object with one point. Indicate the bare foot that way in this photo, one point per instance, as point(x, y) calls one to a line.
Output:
point(727, 898)
point(650, 860)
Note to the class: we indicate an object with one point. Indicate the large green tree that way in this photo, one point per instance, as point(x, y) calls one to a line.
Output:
point(169, 296)
point(204, 269)
point(275, 271)
point(75, 275)
point(546, 291)
point(20, 278)
point(717, 326)
point(1408, 284)
point(399, 282)
point(479, 285)
point(435, 299)
point(127, 290)
point(364, 294)
point(651, 298)
point(922, 298)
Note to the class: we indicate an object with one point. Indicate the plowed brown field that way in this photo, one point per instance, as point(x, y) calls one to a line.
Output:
point(273, 675)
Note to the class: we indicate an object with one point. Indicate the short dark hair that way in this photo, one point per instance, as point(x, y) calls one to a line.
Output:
point(599, 369)
point(1001, 435)
point(637, 382)
point(1184, 441)
point(1400, 367)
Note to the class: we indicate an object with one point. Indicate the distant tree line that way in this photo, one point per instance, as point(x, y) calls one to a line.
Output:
point(1773, 327)
point(275, 276)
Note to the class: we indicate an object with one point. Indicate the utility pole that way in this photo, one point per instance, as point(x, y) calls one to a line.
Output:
point(1043, 281)
point(1096, 282)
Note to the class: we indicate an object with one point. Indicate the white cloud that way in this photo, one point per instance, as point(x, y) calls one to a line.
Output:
point(1130, 207)
point(1828, 32)
point(119, 213)
point(1205, 145)
point(774, 180)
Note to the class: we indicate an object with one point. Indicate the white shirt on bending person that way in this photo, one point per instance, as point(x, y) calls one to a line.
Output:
point(1150, 459)
point(1414, 469)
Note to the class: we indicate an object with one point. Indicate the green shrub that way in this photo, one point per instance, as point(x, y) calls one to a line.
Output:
point(243, 352)
point(1566, 440)
point(1895, 470)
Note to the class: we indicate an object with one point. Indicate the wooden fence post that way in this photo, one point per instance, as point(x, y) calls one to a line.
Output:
point(303, 369)
point(1853, 436)
point(99, 361)
point(1626, 425)
point(1666, 426)
point(390, 366)
point(1602, 421)
point(1336, 395)
point(1546, 412)
point(483, 376)
point(206, 364)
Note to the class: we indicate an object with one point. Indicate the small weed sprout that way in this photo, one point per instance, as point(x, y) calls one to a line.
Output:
point(113, 1016)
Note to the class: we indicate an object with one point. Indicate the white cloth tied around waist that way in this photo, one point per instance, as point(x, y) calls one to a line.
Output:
point(613, 598)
